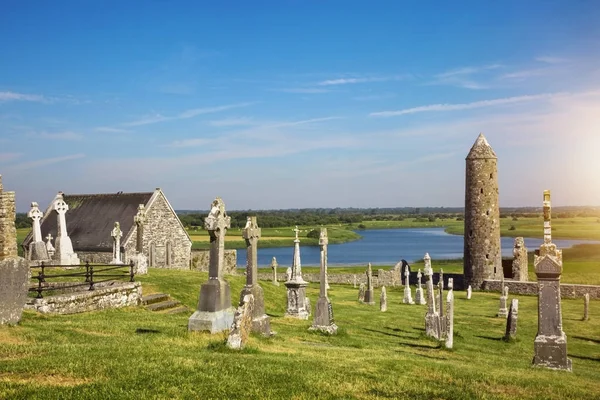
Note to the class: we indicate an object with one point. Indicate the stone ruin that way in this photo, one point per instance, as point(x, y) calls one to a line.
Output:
point(242, 324)
point(520, 267)
point(324, 311)
point(14, 270)
point(38, 252)
point(64, 247)
point(369, 297)
point(296, 286)
point(214, 312)
point(550, 343)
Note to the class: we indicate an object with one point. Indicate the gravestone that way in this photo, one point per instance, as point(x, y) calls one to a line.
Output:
point(288, 274)
point(450, 315)
point(503, 311)
point(296, 286)
point(139, 259)
point(369, 294)
point(586, 306)
point(37, 248)
point(242, 324)
point(49, 247)
point(432, 318)
point(440, 287)
point(419, 296)
point(550, 343)
point(324, 311)
point(274, 266)
point(214, 312)
point(511, 321)
point(260, 321)
point(520, 267)
point(116, 234)
point(383, 299)
point(361, 293)
point(64, 247)
point(354, 281)
point(441, 280)
point(469, 292)
point(407, 293)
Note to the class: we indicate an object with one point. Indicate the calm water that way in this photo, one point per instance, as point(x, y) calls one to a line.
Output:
point(388, 246)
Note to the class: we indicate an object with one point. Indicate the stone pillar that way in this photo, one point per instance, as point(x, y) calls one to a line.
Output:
point(440, 288)
point(296, 286)
point(140, 260)
point(116, 234)
point(520, 267)
point(8, 231)
point(274, 266)
point(37, 248)
point(324, 311)
point(383, 299)
point(407, 293)
point(214, 313)
point(503, 309)
point(260, 321)
point(64, 248)
point(586, 306)
point(511, 321)
point(450, 315)
point(419, 296)
point(469, 292)
point(369, 294)
point(550, 342)
point(432, 318)
point(482, 255)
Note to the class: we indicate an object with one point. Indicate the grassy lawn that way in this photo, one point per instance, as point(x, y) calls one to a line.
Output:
point(134, 353)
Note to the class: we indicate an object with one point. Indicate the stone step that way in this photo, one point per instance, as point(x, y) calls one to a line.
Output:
point(177, 310)
point(154, 298)
point(163, 305)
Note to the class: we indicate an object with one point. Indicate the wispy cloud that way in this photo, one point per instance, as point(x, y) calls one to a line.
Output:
point(233, 122)
point(551, 60)
point(108, 129)
point(190, 142)
point(13, 96)
point(302, 90)
point(67, 135)
point(373, 97)
point(463, 77)
point(347, 81)
point(45, 161)
point(186, 114)
point(527, 73)
point(6, 157)
point(465, 106)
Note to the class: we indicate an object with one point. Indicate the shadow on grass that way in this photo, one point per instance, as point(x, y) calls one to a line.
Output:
point(587, 339)
point(422, 355)
point(421, 346)
point(497, 339)
point(390, 334)
point(585, 357)
point(397, 329)
point(145, 330)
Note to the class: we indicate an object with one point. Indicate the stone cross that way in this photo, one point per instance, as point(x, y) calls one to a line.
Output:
point(369, 294)
point(432, 318)
point(216, 223)
point(407, 293)
point(503, 310)
point(140, 220)
point(441, 280)
point(469, 292)
point(288, 274)
point(440, 287)
point(520, 267)
point(296, 286)
point(361, 293)
point(550, 343)
point(49, 246)
point(36, 215)
point(251, 233)
point(450, 315)
point(274, 266)
point(64, 247)
point(511, 321)
point(586, 306)
point(383, 299)
point(296, 263)
point(324, 311)
point(419, 296)
point(61, 209)
point(323, 241)
point(116, 234)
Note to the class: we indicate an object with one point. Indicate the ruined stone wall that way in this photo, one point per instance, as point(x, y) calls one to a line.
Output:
point(111, 296)
point(482, 256)
point(567, 290)
point(8, 231)
point(95, 257)
point(200, 259)
point(165, 242)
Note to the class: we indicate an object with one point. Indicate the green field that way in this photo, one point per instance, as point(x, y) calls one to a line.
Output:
point(137, 354)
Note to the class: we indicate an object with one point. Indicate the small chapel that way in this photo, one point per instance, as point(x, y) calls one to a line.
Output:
point(90, 223)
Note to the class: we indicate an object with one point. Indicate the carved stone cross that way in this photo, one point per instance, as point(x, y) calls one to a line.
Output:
point(140, 219)
point(36, 215)
point(251, 233)
point(61, 209)
point(216, 223)
point(116, 234)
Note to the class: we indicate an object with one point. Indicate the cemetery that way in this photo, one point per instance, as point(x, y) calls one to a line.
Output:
point(79, 317)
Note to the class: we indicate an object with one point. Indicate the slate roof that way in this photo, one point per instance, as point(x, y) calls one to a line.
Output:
point(91, 218)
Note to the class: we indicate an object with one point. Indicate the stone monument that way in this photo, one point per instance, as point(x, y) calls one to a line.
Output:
point(288, 274)
point(139, 259)
point(214, 313)
point(550, 342)
point(37, 249)
point(440, 288)
point(511, 321)
point(361, 293)
point(49, 247)
point(274, 266)
point(419, 296)
point(586, 307)
point(482, 256)
point(407, 293)
point(64, 248)
point(116, 234)
point(450, 315)
point(383, 299)
point(469, 292)
point(369, 294)
point(296, 286)
point(260, 321)
point(520, 267)
point(323, 311)
point(503, 310)
point(432, 318)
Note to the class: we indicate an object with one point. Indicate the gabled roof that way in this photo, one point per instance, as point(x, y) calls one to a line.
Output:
point(91, 218)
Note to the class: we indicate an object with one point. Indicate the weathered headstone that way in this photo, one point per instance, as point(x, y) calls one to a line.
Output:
point(440, 288)
point(383, 299)
point(37, 248)
point(586, 306)
point(139, 259)
point(419, 295)
point(296, 286)
point(324, 311)
point(242, 324)
point(49, 247)
point(511, 321)
point(407, 293)
point(432, 318)
point(520, 267)
point(274, 266)
point(354, 281)
point(260, 321)
point(64, 247)
point(369, 294)
point(441, 280)
point(550, 342)
point(450, 315)
point(214, 313)
point(116, 234)
point(469, 292)
point(288, 274)
point(361, 293)
point(503, 311)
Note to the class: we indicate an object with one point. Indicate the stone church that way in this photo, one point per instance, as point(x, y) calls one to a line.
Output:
point(91, 218)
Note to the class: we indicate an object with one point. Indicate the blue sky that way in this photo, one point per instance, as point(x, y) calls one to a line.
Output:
point(278, 104)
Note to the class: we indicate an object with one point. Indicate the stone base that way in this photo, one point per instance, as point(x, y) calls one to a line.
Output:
point(432, 325)
point(503, 313)
point(215, 296)
point(116, 262)
point(296, 300)
point(14, 281)
point(323, 313)
point(38, 252)
point(275, 283)
point(68, 259)
point(419, 297)
point(551, 352)
point(328, 329)
point(369, 297)
point(262, 325)
point(407, 296)
point(214, 322)
point(140, 264)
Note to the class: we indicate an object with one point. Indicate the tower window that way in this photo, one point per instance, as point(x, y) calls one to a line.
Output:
point(491, 176)
point(487, 212)
point(487, 256)
point(481, 190)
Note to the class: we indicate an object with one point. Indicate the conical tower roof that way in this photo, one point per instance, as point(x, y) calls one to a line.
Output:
point(481, 149)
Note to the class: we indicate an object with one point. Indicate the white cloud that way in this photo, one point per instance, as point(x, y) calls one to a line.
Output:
point(187, 114)
point(45, 162)
point(67, 135)
point(108, 129)
point(527, 73)
point(232, 122)
point(462, 77)
point(551, 60)
point(303, 90)
point(346, 81)
point(13, 96)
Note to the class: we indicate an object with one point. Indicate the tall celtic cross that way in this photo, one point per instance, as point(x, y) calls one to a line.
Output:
point(116, 234)
point(216, 223)
point(61, 209)
point(36, 215)
point(140, 220)
point(251, 233)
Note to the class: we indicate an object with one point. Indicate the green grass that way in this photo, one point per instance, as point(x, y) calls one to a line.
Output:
point(134, 353)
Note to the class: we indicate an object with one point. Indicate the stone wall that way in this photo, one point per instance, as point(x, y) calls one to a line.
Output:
point(567, 290)
point(96, 257)
point(115, 295)
point(165, 242)
point(200, 261)
point(8, 231)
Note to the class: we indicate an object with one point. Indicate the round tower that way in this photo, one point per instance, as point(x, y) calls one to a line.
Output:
point(482, 255)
